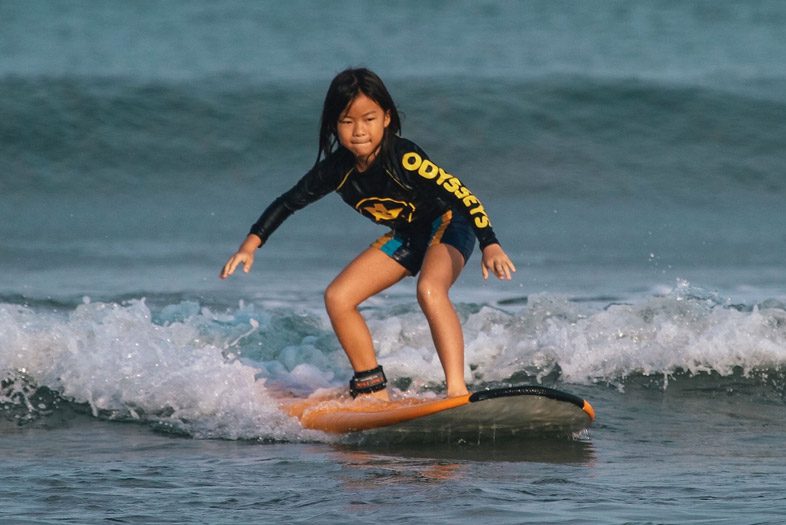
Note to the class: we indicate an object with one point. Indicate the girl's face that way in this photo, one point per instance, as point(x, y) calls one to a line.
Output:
point(361, 127)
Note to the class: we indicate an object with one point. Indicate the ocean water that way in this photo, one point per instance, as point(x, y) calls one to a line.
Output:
point(631, 156)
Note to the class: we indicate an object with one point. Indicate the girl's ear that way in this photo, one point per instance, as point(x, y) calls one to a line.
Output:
point(387, 118)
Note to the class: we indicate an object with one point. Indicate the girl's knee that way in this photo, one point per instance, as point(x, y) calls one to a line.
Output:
point(331, 297)
point(336, 299)
point(430, 293)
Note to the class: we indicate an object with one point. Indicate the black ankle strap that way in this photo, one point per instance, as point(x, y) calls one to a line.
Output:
point(367, 382)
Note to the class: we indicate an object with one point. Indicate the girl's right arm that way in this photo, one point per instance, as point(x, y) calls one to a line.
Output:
point(318, 182)
point(244, 256)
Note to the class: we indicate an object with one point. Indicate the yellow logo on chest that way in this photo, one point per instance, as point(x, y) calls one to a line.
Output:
point(383, 209)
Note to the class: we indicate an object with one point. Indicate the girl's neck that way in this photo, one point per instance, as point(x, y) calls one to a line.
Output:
point(363, 164)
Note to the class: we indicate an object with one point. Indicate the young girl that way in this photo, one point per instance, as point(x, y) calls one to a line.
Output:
point(433, 220)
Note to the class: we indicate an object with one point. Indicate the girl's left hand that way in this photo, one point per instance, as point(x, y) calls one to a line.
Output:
point(496, 261)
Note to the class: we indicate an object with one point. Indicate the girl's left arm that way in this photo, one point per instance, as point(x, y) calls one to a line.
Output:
point(434, 180)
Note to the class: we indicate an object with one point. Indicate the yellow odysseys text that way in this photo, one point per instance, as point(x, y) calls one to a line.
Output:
point(428, 170)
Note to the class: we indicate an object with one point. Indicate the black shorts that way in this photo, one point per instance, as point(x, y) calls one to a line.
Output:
point(409, 248)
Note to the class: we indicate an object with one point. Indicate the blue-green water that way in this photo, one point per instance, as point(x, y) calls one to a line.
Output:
point(630, 155)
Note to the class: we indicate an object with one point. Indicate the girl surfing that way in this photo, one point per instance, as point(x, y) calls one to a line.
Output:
point(433, 218)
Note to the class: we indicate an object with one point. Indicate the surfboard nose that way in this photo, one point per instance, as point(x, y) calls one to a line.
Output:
point(589, 410)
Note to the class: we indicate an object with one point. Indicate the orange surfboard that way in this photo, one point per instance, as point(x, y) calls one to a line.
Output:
point(498, 412)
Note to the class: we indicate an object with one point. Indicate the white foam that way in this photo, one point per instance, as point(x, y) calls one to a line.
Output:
point(123, 365)
point(681, 330)
point(660, 335)
point(208, 374)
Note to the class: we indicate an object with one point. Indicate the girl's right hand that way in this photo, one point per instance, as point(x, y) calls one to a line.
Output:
point(244, 256)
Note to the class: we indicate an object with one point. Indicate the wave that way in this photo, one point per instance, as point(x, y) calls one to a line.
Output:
point(566, 135)
point(188, 369)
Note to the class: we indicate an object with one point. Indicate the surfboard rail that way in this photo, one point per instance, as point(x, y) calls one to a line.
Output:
point(517, 408)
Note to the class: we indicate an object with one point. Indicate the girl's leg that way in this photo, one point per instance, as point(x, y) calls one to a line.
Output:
point(441, 268)
point(368, 274)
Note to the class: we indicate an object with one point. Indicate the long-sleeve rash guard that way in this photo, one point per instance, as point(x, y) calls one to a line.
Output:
point(405, 194)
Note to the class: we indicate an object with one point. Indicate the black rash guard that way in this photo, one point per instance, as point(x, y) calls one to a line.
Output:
point(406, 193)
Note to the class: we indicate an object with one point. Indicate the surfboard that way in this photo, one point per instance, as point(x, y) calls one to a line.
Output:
point(524, 409)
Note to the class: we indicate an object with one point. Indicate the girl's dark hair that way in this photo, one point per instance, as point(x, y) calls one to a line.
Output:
point(343, 89)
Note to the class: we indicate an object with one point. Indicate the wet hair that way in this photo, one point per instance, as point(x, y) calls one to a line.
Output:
point(343, 89)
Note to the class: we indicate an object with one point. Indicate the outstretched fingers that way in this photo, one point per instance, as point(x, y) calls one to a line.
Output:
point(496, 261)
point(231, 265)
